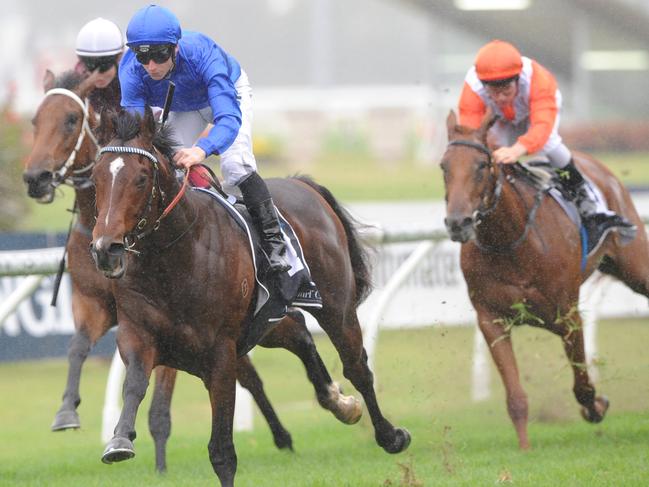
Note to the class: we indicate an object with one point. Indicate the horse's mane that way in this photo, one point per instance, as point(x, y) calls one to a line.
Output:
point(127, 127)
point(68, 80)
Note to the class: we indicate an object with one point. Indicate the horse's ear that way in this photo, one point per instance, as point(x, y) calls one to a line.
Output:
point(451, 123)
point(147, 129)
point(48, 80)
point(106, 128)
point(88, 84)
point(487, 122)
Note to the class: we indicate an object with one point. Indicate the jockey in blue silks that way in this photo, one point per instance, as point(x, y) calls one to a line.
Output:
point(212, 88)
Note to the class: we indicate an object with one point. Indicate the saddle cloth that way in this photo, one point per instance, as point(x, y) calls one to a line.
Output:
point(274, 293)
point(543, 176)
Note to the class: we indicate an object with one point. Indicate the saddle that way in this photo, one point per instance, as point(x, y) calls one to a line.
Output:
point(594, 229)
point(275, 294)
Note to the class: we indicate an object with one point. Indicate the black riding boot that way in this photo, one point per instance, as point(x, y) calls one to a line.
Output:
point(575, 185)
point(264, 216)
point(597, 224)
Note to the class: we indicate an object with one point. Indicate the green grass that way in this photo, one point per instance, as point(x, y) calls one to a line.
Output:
point(350, 178)
point(423, 384)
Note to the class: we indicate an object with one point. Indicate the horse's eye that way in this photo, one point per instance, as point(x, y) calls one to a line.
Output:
point(141, 181)
point(482, 165)
point(443, 166)
point(71, 121)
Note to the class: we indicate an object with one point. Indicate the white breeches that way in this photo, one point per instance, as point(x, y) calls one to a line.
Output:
point(238, 161)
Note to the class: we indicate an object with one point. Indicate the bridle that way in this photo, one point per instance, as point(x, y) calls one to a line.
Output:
point(143, 227)
point(484, 209)
point(79, 179)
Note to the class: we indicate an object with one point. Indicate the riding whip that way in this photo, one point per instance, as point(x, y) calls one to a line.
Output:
point(168, 99)
point(61, 270)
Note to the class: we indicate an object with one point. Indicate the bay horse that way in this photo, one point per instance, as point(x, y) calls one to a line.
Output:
point(521, 258)
point(64, 152)
point(183, 280)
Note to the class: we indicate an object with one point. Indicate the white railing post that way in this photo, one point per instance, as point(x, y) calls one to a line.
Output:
point(371, 330)
point(480, 368)
point(112, 400)
point(592, 291)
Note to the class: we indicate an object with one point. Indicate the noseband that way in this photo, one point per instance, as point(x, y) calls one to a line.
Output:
point(61, 175)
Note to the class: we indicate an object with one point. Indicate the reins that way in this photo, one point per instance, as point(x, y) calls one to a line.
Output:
point(497, 193)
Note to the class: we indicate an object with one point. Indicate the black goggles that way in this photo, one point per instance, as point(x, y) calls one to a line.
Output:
point(158, 54)
point(103, 64)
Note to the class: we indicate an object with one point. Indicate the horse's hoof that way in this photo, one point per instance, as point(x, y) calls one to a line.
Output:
point(346, 409)
point(400, 443)
point(283, 441)
point(594, 416)
point(65, 420)
point(118, 450)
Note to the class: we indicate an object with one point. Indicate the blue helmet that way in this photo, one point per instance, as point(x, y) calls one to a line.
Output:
point(153, 24)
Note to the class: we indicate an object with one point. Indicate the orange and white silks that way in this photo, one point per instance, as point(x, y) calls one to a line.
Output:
point(533, 117)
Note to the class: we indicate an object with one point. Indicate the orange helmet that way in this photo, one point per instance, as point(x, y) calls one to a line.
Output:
point(498, 60)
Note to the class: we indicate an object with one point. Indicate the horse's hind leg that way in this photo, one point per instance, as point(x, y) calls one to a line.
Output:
point(500, 346)
point(292, 335)
point(159, 414)
point(345, 334)
point(248, 378)
point(92, 321)
point(593, 407)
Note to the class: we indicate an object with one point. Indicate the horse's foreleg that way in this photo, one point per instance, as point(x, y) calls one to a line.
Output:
point(67, 416)
point(220, 382)
point(159, 413)
point(292, 335)
point(593, 407)
point(249, 379)
point(92, 322)
point(139, 364)
point(500, 345)
point(345, 334)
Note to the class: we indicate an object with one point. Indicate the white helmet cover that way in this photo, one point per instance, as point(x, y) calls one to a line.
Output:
point(99, 37)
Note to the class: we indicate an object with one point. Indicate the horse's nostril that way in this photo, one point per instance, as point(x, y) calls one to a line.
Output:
point(37, 178)
point(116, 249)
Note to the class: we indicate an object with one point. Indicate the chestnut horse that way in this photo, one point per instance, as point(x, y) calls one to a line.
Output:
point(521, 256)
point(183, 280)
point(64, 151)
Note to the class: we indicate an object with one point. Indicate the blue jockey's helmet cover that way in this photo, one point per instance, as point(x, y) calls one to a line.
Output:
point(153, 24)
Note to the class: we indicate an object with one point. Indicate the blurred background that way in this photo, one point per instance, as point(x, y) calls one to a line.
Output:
point(356, 93)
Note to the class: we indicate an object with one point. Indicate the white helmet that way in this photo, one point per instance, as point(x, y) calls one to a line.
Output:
point(98, 38)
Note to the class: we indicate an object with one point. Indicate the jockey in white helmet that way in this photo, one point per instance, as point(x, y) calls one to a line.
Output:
point(99, 47)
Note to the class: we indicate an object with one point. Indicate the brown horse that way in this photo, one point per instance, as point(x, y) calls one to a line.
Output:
point(183, 282)
point(64, 151)
point(521, 256)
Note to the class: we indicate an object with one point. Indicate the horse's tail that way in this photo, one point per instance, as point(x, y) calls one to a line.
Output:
point(358, 252)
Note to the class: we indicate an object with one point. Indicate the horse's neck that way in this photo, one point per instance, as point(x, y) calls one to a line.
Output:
point(180, 218)
point(86, 206)
point(506, 222)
